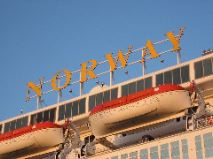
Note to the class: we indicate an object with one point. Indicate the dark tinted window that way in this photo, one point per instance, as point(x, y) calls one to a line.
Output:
point(39, 117)
point(7, 127)
point(68, 110)
point(148, 82)
point(207, 64)
point(159, 79)
point(125, 90)
point(15, 124)
point(185, 74)
point(75, 108)
point(61, 112)
point(176, 76)
point(0, 128)
point(132, 87)
point(46, 115)
point(99, 98)
point(24, 121)
point(91, 102)
point(82, 106)
point(140, 85)
point(114, 93)
point(33, 119)
point(198, 69)
point(168, 77)
point(106, 96)
point(18, 123)
point(52, 115)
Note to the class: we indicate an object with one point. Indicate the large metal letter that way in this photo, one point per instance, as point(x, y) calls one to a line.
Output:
point(120, 57)
point(85, 71)
point(35, 88)
point(54, 83)
point(152, 51)
point(174, 40)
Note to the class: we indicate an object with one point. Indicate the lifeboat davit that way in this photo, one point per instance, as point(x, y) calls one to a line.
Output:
point(38, 136)
point(138, 108)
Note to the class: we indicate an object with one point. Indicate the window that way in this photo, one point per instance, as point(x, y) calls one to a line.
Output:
point(39, 117)
point(175, 151)
point(99, 98)
point(207, 67)
point(68, 110)
point(140, 85)
point(154, 152)
point(125, 90)
point(114, 93)
point(198, 70)
point(136, 86)
point(168, 77)
point(15, 124)
point(114, 157)
point(208, 144)
point(148, 82)
point(176, 76)
point(185, 74)
point(164, 151)
point(199, 149)
point(72, 109)
point(82, 106)
point(144, 154)
point(185, 149)
point(159, 79)
point(75, 108)
point(91, 102)
point(7, 127)
point(106, 96)
point(61, 112)
point(47, 115)
point(132, 87)
point(203, 68)
point(102, 97)
point(133, 155)
point(124, 156)
point(0, 128)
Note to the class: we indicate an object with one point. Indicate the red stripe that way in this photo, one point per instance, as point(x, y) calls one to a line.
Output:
point(27, 129)
point(135, 97)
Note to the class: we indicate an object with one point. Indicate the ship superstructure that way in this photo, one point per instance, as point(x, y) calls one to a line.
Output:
point(160, 115)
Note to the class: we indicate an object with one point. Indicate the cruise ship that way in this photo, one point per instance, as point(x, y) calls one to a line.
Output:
point(165, 114)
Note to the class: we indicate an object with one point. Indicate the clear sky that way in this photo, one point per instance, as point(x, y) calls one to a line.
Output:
point(40, 37)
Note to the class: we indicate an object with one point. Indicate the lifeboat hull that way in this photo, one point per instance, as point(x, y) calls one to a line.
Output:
point(106, 121)
point(33, 138)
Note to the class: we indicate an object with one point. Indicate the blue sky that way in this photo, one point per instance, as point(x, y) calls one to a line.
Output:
point(40, 37)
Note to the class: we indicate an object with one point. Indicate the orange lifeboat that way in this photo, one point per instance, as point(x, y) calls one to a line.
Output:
point(140, 107)
point(38, 136)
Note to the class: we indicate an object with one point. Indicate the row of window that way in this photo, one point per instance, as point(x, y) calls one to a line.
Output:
point(161, 152)
point(15, 124)
point(208, 146)
point(102, 97)
point(136, 86)
point(48, 115)
point(72, 109)
point(203, 68)
point(176, 76)
point(174, 150)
